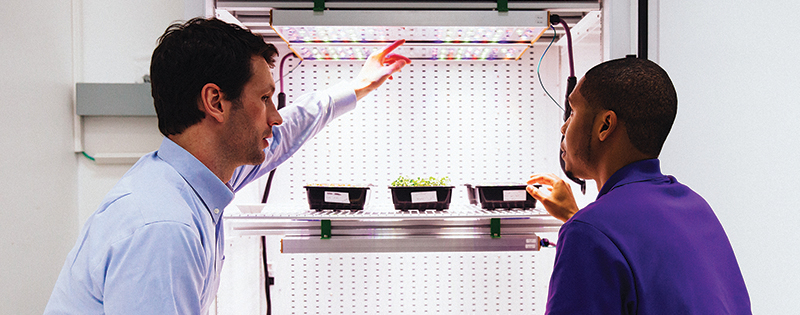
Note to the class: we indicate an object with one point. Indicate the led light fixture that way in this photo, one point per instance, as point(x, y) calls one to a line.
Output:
point(429, 35)
point(358, 51)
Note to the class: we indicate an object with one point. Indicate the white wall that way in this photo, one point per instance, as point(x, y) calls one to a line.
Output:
point(735, 65)
point(38, 167)
point(45, 47)
point(114, 42)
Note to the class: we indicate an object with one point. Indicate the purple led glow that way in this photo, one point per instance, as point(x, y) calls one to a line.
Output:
point(302, 34)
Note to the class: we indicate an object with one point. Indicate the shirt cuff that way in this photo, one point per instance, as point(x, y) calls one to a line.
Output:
point(343, 97)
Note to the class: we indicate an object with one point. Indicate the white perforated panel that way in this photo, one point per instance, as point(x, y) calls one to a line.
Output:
point(446, 283)
point(474, 121)
point(386, 283)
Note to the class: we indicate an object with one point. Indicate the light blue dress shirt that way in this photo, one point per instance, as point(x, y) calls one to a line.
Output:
point(156, 245)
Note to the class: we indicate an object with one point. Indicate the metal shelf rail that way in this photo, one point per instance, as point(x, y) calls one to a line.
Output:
point(382, 229)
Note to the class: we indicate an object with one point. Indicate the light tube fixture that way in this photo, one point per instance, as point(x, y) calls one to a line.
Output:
point(429, 35)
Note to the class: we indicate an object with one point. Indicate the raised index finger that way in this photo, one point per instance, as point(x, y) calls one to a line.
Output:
point(389, 48)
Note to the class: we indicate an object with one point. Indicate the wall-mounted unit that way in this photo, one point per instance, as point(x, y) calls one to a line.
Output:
point(431, 35)
point(352, 30)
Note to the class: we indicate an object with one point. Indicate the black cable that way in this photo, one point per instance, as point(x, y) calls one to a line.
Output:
point(538, 74)
point(571, 82)
point(643, 20)
point(281, 104)
point(268, 281)
point(268, 187)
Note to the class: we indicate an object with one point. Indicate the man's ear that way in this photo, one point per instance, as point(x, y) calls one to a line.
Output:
point(211, 98)
point(608, 123)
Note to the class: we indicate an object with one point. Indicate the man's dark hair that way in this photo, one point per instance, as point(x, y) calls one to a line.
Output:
point(190, 55)
point(641, 94)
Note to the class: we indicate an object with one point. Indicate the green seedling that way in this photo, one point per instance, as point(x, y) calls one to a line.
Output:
point(419, 181)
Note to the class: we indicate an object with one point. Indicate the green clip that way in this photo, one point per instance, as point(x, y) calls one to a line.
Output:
point(502, 5)
point(319, 5)
point(495, 227)
point(326, 229)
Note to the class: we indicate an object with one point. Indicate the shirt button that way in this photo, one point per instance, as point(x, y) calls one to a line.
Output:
point(216, 210)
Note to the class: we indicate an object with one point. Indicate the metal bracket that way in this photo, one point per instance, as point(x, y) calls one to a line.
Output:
point(495, 227)
point(325, 226)
point(502, 5)
point(319, 5)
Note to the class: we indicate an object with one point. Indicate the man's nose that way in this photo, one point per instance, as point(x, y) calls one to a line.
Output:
point(275, 119)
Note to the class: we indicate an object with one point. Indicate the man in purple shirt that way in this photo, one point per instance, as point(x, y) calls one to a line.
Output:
point(648, 244)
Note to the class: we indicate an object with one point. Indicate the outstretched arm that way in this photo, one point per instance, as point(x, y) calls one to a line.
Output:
point(379, 67)
point(560, 203)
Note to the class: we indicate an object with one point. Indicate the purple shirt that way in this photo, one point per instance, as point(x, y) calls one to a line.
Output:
point(647, 245)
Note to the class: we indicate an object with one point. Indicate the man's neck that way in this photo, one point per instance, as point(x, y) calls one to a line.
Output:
point(611, 166)
point(203, 148)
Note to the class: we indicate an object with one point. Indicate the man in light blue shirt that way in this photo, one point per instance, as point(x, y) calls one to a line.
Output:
point(156, 245)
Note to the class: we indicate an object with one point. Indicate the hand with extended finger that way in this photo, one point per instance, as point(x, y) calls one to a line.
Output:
point(559, 202)
point(379, 67)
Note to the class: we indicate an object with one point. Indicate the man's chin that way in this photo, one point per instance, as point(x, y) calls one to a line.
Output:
point(573, 173)
point(257, 159)
point(570, 171)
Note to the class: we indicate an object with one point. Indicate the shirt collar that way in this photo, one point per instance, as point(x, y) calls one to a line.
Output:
point(215, 194)
point(635, 172)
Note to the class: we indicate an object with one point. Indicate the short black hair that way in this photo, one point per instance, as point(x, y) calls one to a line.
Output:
point(192, 54)
point(641, 93)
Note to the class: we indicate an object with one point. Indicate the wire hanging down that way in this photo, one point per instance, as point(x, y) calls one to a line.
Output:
point(281, 75)
point(540, 64)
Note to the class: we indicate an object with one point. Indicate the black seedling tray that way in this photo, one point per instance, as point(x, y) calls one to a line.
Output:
point(336, 197)
point(472, 194)
point(404, 197)
point(504, 197)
